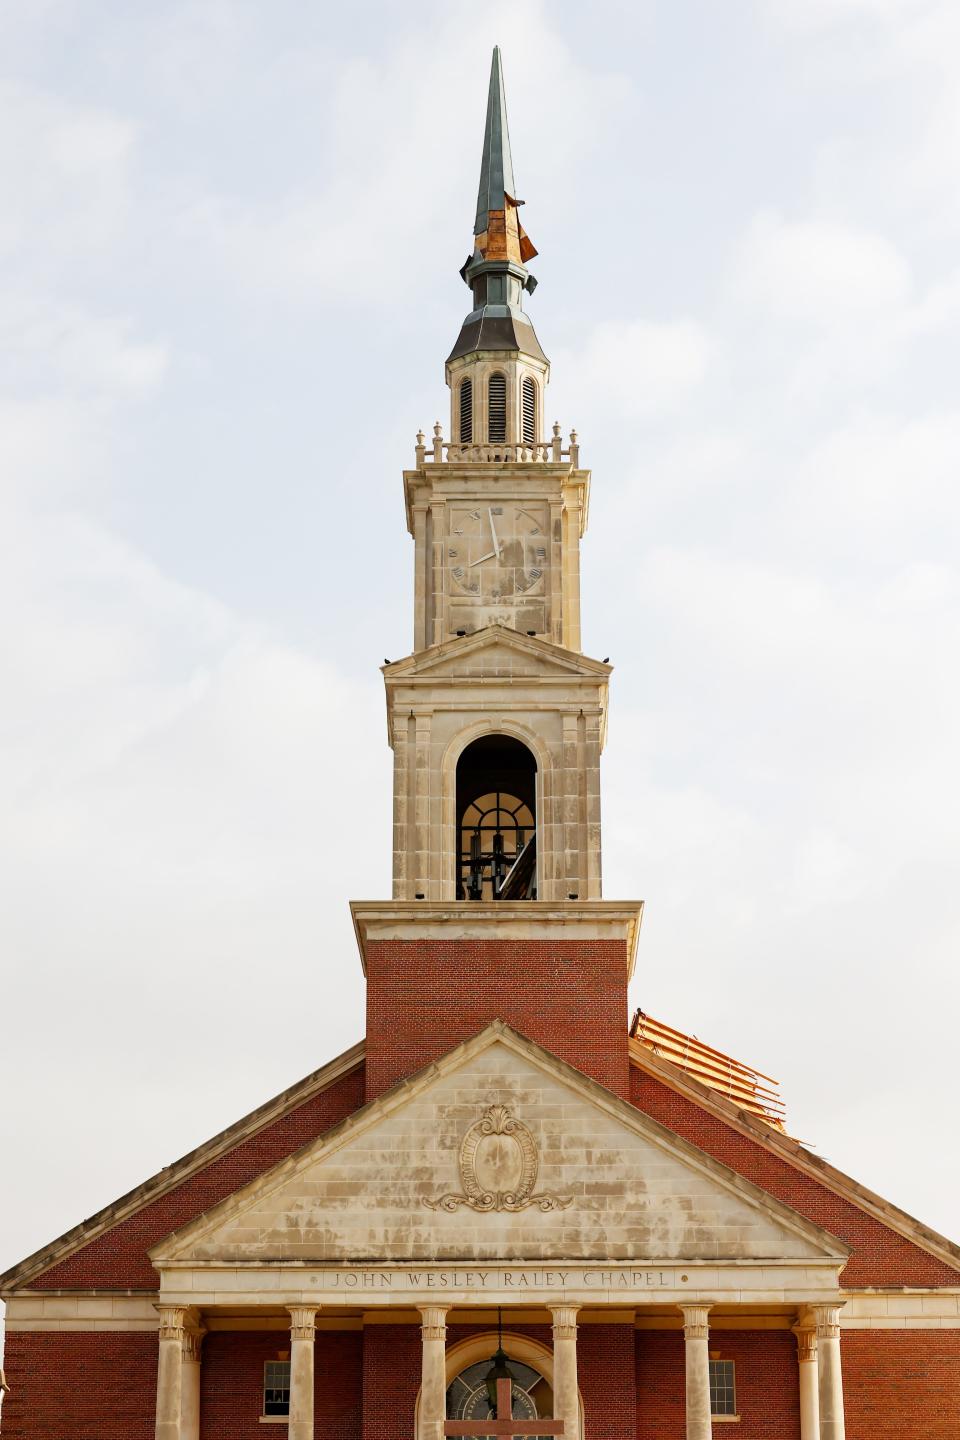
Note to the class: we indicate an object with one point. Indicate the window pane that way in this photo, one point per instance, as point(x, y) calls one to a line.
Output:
point(723, 1400)
point(276, 1387)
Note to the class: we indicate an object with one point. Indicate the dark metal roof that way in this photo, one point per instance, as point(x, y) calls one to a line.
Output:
point(496, 169)
point(496, 332)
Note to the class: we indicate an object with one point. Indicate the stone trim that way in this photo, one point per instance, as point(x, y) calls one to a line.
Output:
point(794, 1153)
point(170, 1252)
point(175, 1174)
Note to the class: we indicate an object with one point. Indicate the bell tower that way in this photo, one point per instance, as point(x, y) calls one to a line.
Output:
point(496, 718)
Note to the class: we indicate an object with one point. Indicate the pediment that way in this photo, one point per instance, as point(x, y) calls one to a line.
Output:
point(496, 651)
point(500, 1149)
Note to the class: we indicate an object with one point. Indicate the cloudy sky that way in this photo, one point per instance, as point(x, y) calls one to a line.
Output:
point(229, 246)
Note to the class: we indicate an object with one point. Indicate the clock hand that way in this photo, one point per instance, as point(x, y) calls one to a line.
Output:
point(496, 542)
point(481, 559)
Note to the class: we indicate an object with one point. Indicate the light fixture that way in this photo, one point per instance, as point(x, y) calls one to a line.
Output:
point(499, 1369)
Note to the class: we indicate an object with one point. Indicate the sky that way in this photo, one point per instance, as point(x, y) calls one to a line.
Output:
point(229, 248)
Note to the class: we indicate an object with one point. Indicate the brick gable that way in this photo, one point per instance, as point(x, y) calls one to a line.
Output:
point(117, 1259)
point(880, 1255)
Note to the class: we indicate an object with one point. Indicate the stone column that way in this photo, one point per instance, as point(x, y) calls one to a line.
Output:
point(170, 1371)
point(698, 1371)
point(190, 1383)
point(807, 1364)
point(828, 1363)
point(566, 1395)
point(433, 1373)
point(302, 1331)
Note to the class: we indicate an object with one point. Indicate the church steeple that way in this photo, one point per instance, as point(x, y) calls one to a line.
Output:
point(496, 270)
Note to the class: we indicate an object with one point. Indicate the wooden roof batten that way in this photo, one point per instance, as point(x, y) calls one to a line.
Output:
point(738, 1081)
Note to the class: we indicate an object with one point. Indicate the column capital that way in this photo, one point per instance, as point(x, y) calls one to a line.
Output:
point(827, 1318)
point(193, 1338)
point(173, 1319)
point(695, 1325)
point(433, 1317)
point(302, 1321)
point(564, 1321)
point(806, 1336)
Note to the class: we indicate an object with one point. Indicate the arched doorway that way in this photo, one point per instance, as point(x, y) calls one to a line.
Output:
point(496, 820)
point(468, 1398)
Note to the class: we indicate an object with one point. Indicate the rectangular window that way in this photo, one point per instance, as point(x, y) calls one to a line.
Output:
point(723, 1394)
point(276, 1387)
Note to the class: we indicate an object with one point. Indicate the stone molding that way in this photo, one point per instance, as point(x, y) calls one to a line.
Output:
point(496, 1120)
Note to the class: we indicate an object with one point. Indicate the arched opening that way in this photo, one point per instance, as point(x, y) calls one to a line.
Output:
point(466, 412)
point(497, 409)
point(497, 820)
point(529, 409)
point(468, 1398)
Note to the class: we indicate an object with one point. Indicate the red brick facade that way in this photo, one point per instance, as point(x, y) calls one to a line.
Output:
point(425, 997)
point(231, 1394)
point(880, 1256)
point(767, 1387)
point(901, 1384)
point(93, 1385)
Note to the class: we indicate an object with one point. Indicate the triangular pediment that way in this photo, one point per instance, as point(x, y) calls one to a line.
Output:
point(498, 1149)
point(496, 650)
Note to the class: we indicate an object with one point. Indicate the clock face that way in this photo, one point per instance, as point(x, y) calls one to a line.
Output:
point(497, 553)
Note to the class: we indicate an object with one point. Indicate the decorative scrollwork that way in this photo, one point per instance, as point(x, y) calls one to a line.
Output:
point(482, 1164)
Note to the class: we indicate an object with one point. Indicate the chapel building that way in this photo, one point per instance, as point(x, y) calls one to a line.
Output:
point(508, 1210)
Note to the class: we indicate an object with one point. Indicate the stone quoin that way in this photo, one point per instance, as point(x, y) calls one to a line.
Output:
point(507, 1204)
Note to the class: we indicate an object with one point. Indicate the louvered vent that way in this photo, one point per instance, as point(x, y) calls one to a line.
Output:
point(497, 423)
point(529, 411)
point(466, 412)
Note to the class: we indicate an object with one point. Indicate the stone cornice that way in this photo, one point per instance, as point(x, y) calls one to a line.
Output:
point(506, 919)
point(20, 1275)
point(796, 1155)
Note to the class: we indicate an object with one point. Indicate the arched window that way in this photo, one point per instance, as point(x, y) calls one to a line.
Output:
point(497, 409)
point(496, 820)
point(466, 412)
point(529, 398)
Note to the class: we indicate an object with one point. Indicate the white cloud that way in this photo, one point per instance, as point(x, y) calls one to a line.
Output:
point(637, 368)
point(818, 272)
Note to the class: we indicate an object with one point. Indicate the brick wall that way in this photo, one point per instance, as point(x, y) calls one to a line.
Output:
point(425, 997)
point(881, 1256)
point(901, 1384)
point(87, 1386)
point(231, 1392)
point(767, 1383)
point(117, 1260)
point(391, 1380)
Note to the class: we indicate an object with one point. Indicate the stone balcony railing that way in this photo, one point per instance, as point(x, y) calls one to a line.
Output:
point(550, 452)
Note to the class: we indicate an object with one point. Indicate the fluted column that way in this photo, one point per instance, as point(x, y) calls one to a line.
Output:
point(433, 1372)
point(695, 1333)
point(566, 1395)
point(830, 1388)
point(190, 1383)
point(302, 1331)
point(170, 1371)
point(809, 1380)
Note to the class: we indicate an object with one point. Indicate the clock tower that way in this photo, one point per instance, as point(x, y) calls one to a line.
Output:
point(497, 719)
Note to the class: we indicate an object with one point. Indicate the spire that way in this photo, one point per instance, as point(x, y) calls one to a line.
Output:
point(496, 168)
point(496, 270)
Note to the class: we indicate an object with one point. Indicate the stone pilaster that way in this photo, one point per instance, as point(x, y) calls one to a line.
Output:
point(170, 1371)
point(566, 1395)
point(433, 1372)
point(809, 1380)
point(830, 1389)
point(695, 1337)
point(302, 1332)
